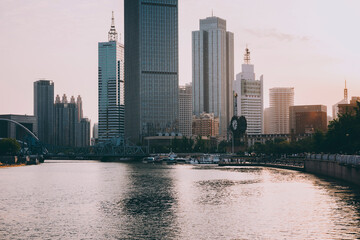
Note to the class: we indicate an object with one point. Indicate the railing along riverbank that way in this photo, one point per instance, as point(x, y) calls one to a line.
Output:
point(292, 163)
point(342, 167)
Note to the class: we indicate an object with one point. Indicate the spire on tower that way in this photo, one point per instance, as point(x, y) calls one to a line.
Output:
point(346, 93)
point(247, 56)
point(112, 19)
point(113, 36)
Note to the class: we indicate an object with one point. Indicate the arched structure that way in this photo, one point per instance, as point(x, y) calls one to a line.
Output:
point(19, 124)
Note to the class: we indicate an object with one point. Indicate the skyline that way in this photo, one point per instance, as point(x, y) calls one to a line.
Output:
point(311, 48)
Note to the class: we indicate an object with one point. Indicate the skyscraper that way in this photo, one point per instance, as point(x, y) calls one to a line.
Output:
point(66, 121)
point(250, 101)
point(185, 110)
point(70, 129)
point(280, 101)
point(111, 87)
point(151, 69)
point(79, 107)
point(44, 110)
point(267, 120)
point(83, 133)
point(213, 70)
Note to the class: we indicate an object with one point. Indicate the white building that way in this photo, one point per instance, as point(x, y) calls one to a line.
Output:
point(213, 70)
point(280, 101)
point(185, 110)
point(111, 87)
point(250, 101)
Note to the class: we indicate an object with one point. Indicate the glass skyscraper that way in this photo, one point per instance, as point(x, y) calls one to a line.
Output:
point(151, 69)
point(111, 87)
point(44, 110)
point(213, 71)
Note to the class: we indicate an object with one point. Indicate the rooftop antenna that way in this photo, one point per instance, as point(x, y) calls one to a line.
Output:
point(346, 93)
point(247, 55)
point(113, 36)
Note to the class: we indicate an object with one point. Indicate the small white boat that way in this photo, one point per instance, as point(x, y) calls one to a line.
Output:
point(149, 160)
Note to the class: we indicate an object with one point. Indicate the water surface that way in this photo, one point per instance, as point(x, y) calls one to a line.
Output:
point(94, 200)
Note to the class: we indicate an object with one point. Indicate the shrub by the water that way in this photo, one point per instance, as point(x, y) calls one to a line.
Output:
point(9, 146)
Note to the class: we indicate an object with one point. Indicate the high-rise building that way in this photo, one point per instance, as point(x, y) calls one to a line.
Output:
point(308, 119)
point(111, 87)
point(44, 110)
point(250, 101)
point(267, 120)
point(280, 101)
point(151, 69)
point(70, 129)
point(185, 110)
point(95, 134)
point(213, 70)
point(66, 120)
point(335, 107)
point(83, 133)
point(80, 107)
point(95, 131)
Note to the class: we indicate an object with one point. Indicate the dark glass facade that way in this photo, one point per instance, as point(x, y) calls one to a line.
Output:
point(44, 110)
point(151, 69)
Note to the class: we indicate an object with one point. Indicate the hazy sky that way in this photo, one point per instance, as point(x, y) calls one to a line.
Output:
point(312, 45)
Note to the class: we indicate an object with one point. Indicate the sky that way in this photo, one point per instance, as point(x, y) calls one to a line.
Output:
point(311, 45)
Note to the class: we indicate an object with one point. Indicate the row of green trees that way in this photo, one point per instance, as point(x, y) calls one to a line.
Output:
point(9, 147)
point(343, 136)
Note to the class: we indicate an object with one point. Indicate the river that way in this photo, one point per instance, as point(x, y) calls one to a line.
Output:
point(94, 200)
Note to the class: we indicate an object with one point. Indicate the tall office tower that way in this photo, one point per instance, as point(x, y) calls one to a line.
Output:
point(345, 100)
point(83, 133)
point(95, 131)
point(80, 108)
point(44, 110)
point(250, 101)
point(66, 121)
point(95, 134)
point(213, 70)
point(151, 69)
point(111, 87)
point(185, 110)
point(280, 101)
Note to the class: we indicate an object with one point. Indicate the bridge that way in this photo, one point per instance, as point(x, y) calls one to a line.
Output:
point(30, 145)
point(115, 149)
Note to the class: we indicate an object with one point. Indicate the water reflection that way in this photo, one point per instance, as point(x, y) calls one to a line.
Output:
point(145, 210)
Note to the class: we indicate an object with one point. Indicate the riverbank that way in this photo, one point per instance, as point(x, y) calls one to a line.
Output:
point(12, 165)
